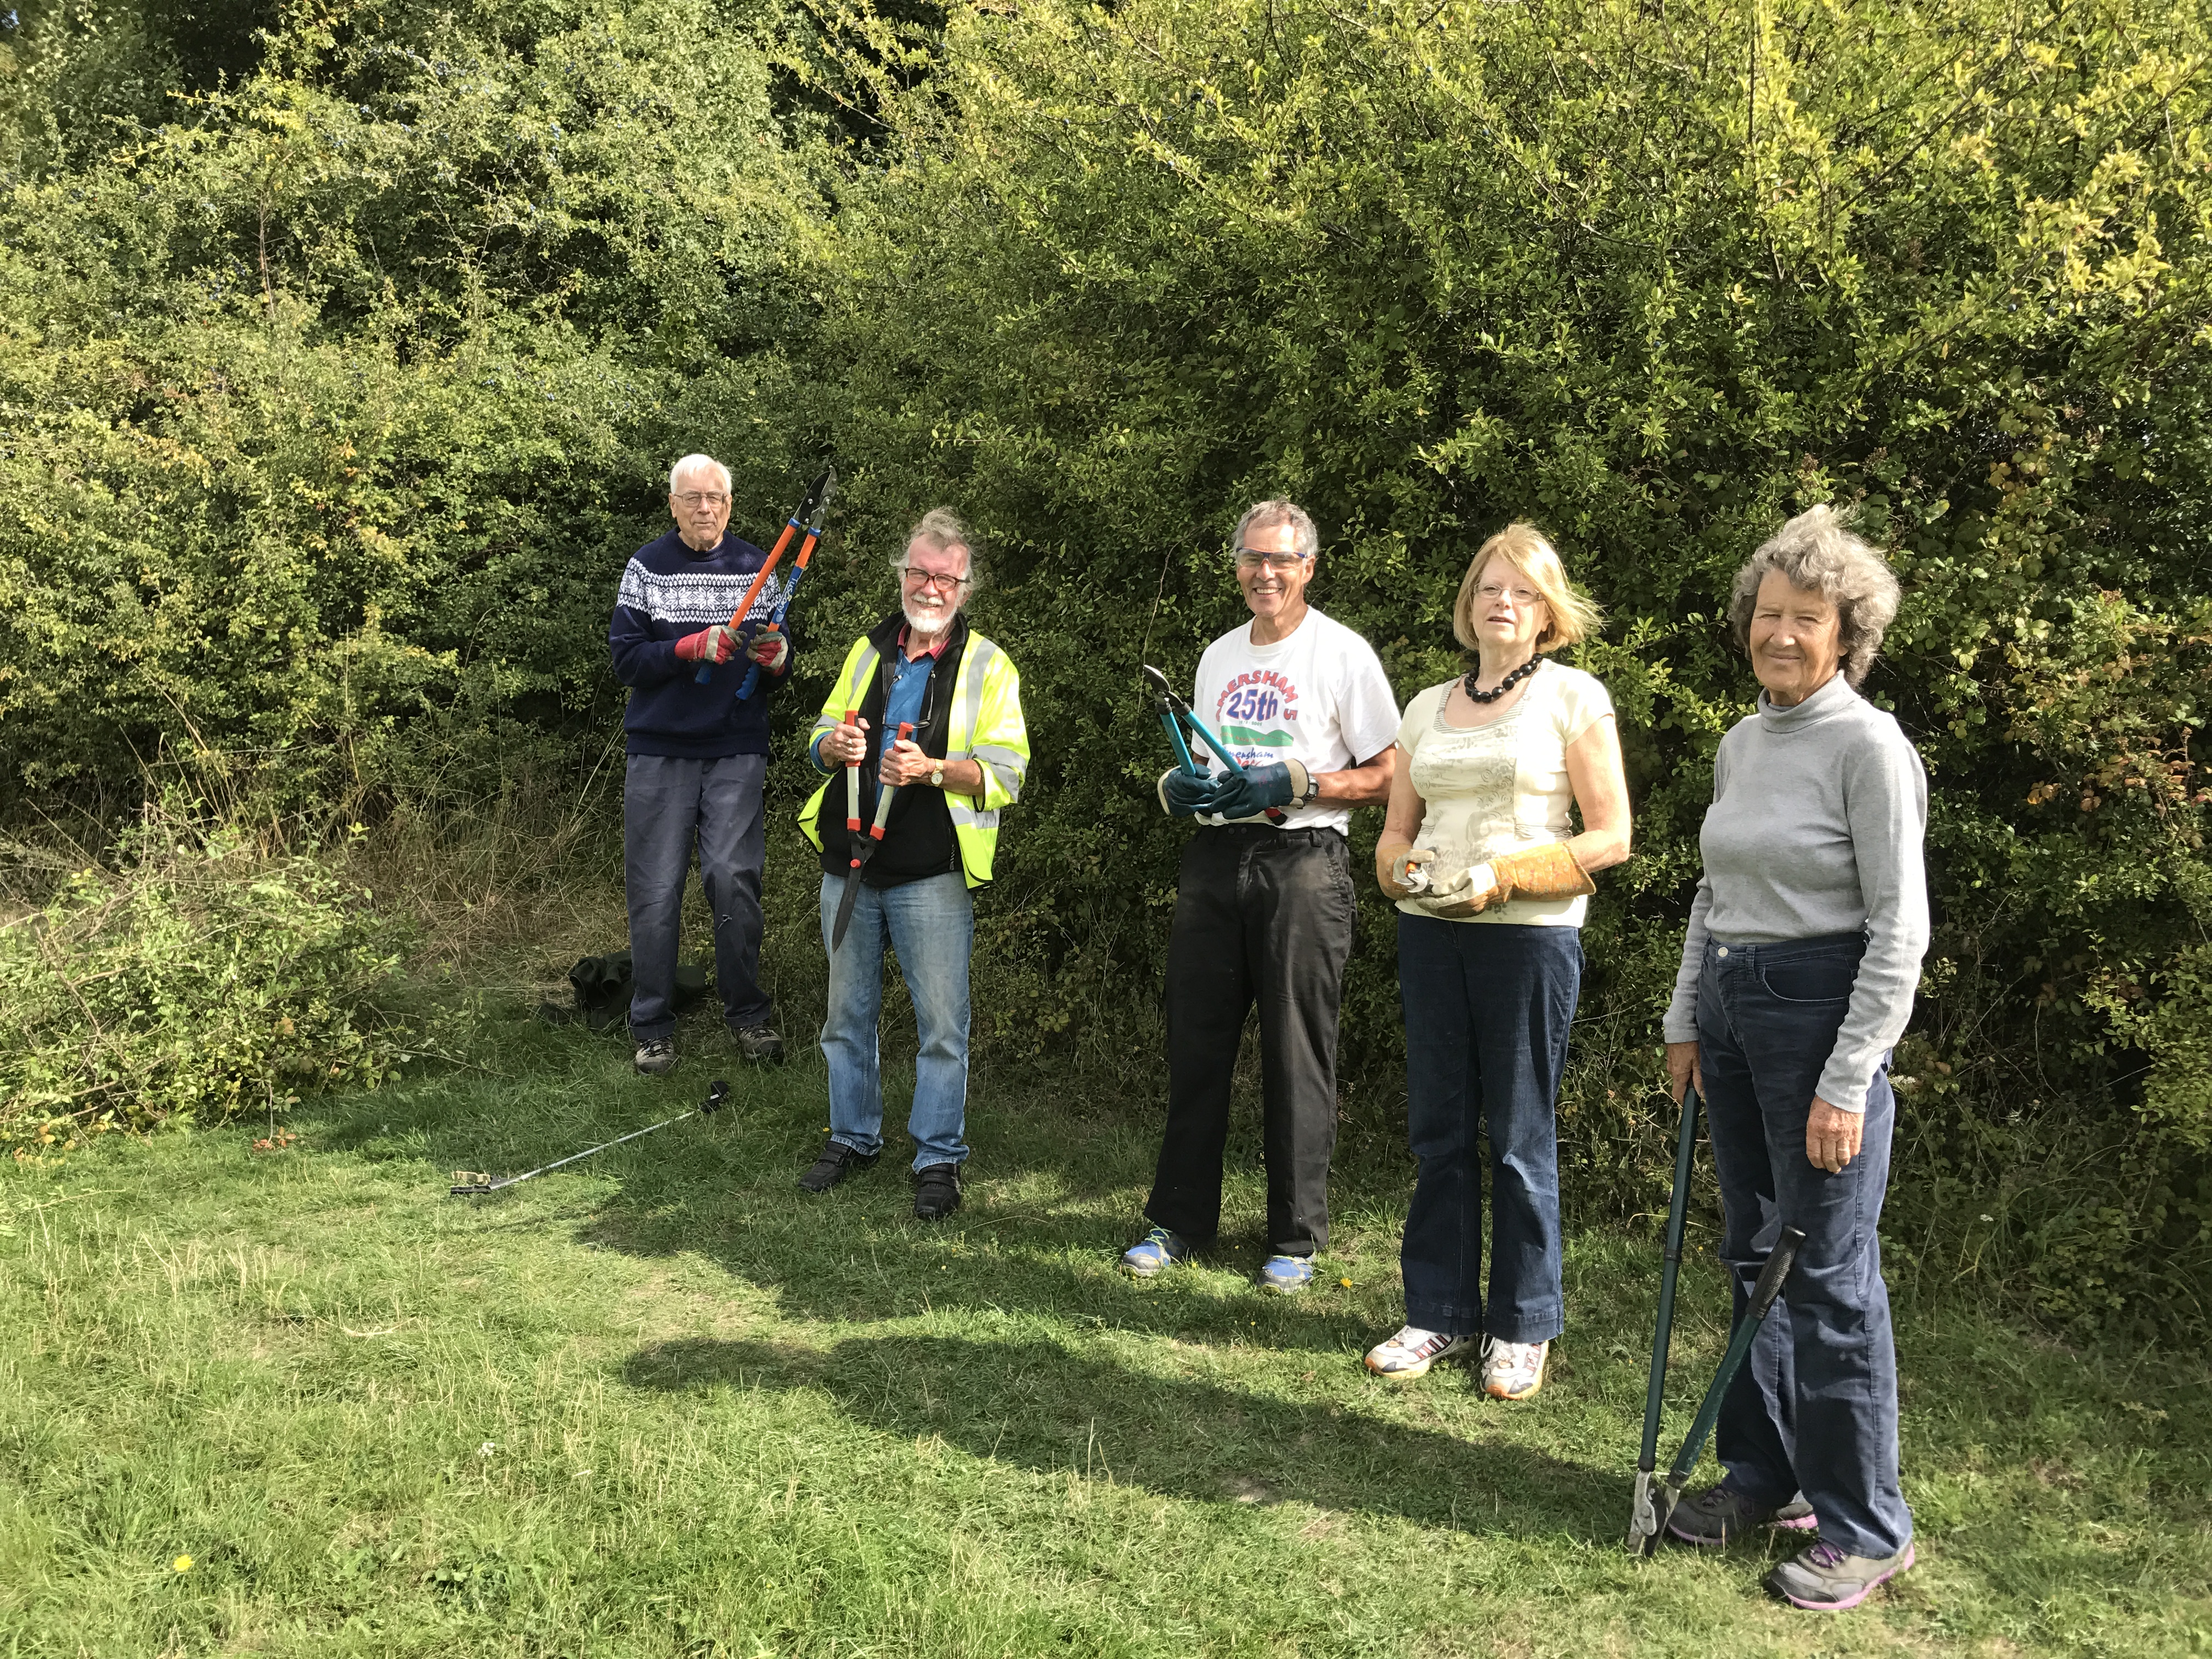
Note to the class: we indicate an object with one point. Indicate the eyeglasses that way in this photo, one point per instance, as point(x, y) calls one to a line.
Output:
point(1522, 597)
point(929, 579)
point(1251, 558)
point(711, 497)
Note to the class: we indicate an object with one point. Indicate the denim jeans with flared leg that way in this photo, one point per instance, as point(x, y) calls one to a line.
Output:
point(1488, 1006)
point(1814, 1407)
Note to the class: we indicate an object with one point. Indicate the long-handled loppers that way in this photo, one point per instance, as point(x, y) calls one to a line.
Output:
point(826, 486)
point(1174, 714)
point(470, 1183)
point(818, 499)
point(862, 850)
point(1655, 1499)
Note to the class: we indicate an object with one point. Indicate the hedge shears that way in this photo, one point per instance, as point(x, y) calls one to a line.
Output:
point(812, 510)
point(862, 850)
point(1175, 716)
point(1656, 1496)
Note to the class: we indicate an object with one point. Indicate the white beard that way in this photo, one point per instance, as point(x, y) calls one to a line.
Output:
point(931, 624)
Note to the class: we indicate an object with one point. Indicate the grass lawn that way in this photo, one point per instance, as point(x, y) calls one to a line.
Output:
point(665, 1404)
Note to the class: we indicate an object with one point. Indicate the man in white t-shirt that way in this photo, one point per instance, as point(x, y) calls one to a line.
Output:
point(1264, 903)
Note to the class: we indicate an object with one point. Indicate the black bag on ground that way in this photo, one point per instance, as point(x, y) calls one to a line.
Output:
point(604, 985)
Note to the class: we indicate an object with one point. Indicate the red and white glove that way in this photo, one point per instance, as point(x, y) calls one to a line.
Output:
point(715, 644)
point(771, 650)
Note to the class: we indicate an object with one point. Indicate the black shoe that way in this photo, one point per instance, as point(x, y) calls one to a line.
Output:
point(936, 1192)
point(759, 1042)
point(837, 1161)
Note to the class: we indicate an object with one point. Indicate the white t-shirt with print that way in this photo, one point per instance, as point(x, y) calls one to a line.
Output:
point(1320, 697)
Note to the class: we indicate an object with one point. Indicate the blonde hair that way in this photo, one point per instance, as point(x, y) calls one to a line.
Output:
point(1568, 615)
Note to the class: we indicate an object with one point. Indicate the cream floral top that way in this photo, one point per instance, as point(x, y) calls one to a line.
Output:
point(1490, 790)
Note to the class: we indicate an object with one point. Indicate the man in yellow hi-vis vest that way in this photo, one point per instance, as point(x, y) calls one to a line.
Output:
point(922, 666)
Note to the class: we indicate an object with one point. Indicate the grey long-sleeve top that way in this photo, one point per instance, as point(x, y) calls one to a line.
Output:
point(1818, 816)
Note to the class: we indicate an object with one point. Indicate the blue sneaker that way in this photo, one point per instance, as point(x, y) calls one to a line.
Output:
point(1153, 1255)
point(1285, 1273)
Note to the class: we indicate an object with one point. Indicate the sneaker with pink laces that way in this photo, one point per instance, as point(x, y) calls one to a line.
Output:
point(1823, 1579)
point(1513, 1370)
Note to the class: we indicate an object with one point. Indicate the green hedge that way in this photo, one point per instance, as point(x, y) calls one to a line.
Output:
point(1652, 276)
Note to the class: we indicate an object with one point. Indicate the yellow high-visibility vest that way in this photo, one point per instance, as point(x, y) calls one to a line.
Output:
point(986, 726)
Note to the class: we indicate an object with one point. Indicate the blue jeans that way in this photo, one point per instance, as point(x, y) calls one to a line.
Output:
point(1814, 1407)
point(668, 804)
point(931, 923)
point(1488, 1009)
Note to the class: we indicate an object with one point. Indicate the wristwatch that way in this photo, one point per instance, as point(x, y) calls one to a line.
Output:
point(1313, 789)
point(937, 778)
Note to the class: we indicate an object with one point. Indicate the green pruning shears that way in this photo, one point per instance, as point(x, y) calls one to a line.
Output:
point(1175, 714)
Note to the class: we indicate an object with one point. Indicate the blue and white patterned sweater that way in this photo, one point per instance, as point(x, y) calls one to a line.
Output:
point(667, 591)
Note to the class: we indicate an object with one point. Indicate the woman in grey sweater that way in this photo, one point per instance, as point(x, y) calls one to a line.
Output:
point(1797, 976)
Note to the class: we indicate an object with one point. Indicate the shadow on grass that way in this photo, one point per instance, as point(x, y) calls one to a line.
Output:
point(1057, 1411)
point(1053, 1196)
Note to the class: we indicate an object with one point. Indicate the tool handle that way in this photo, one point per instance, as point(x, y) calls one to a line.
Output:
point(745, 600)
point(1678, 1204)
point(885, 793)
point(1220, 749)
point(1778, 1262)
point(852, 786)
point(1174, 736)
point(782, 609)
point(1747, 1331)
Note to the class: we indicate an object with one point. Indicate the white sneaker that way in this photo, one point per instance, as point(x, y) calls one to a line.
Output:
point(1411, 1353)
point(1513, 1370)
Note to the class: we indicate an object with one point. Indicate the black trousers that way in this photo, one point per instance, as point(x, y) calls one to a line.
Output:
point(1262, 915)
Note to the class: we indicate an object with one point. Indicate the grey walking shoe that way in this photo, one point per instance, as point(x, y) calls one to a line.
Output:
point(656, 1057)
point(1154, 1254)
point(1718, 1516)
point(1823, 1579)
point(759, 1042)
point(1796, 1516)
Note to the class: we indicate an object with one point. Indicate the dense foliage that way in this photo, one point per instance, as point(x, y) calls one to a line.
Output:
point(200, 977)
point(334, 396)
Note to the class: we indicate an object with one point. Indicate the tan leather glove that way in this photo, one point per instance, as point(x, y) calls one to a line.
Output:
point(1543, 872)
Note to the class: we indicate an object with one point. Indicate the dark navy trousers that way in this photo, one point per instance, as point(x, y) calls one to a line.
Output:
point(669, 805)
point(1488, 1009)
point(1814, 1407)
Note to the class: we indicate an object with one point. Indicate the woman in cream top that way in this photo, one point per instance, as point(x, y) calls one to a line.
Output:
point(1500, 787)
point(1480, 852)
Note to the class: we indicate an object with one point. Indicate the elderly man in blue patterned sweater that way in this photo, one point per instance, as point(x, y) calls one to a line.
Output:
point(698, 756)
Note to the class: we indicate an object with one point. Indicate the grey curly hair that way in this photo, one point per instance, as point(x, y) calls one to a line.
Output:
point(942, 528)
point(1817, 550)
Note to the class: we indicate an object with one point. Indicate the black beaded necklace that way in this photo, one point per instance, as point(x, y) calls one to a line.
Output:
point(1503, 685)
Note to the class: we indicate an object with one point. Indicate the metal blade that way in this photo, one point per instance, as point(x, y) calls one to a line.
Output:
point(1643, 1518)
point(852, 897)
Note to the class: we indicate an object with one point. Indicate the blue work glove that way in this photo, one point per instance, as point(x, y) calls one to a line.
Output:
point(1275, 785)
point(1183, 792)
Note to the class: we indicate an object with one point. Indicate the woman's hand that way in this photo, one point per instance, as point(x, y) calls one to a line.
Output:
point(1682, 1067)
point(1832, 1135)
point(1389, 852)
